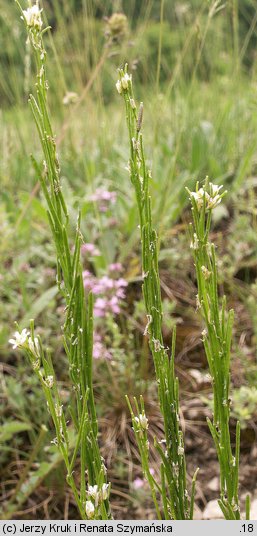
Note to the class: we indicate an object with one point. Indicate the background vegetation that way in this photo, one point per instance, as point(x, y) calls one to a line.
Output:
point(194, 65)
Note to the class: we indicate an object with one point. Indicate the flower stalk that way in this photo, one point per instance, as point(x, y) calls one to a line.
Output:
point(78, 326)
point(173, 486)
point(217, 337)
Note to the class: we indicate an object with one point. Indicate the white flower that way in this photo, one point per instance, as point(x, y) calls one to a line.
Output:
point(215, 197)
point(132, 104)
point(123, 83)
point(32, 17)
point(34, 345)
point(180, 450)
point(93, 491)
point(199, 197)
point(126, 79)
point(142, 421)
point(119, 87)
point(214, 189)
point(90, 509)
point(97, 495)
point(214, 201)
point(20, 339)
point(105, 491)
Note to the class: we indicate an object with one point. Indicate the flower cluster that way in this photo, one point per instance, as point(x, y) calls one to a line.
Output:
point(32, 17)
point(24, 340)
point(95, 497)
point(103, 198)
point(142, 421)
point(211, 198)
point(109, 293)
point(123, 83)
point(214, 197)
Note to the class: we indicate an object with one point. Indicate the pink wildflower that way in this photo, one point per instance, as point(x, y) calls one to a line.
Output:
point(109, 293)
point(101, 306)
point(99, 351)
point(104, 198)
point(114, 305)
point(138, 483)
point(91, 249)
point(115, 267)
point(88, 279)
